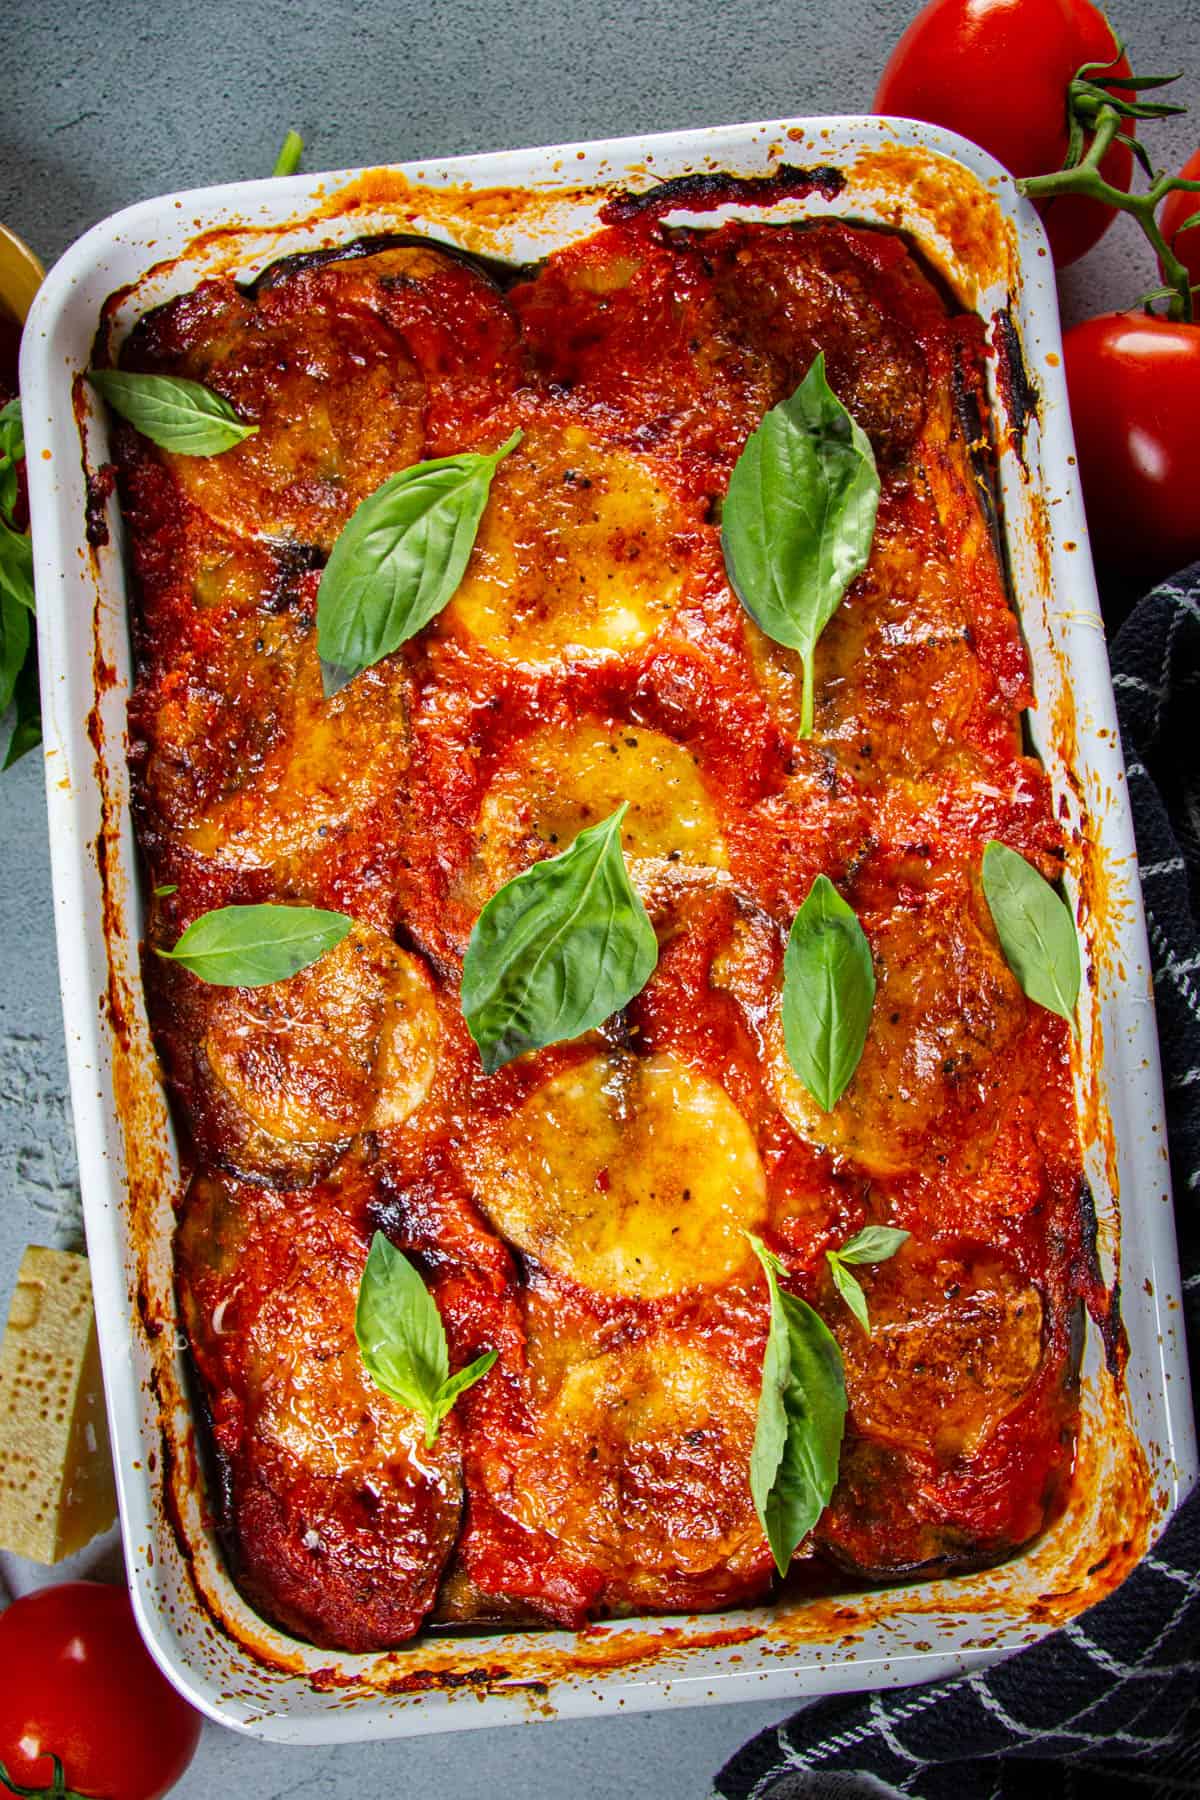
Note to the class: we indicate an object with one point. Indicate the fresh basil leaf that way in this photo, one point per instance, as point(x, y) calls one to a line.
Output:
point(27, 731)
point(557, 949)
point(16, 636)
point(1036, 931)
point(12, 431)
point(167, 887)
point(402, 1340)
point(799, 517)
point(400, 558)
point(458, 1384)
point(850, 1288)
point(290, 152)
point(828, 993)
point(873, 1244)
point(12, 451)
point(399, 1329)
point(174, 413)
point(18, 642)
point(16, 566)
point(801, 1419)
point(252, 946)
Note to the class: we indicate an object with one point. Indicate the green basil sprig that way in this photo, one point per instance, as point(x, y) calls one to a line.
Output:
point(252, 946)
point(290, 152)
point(402, 1340)
point(557, 949)
point(174, 413)
point(801, 1418)
point(18, 641)
point(12, 451)
point(1035, 928)
point(874, 1244)
point(399, 559)
point(16, 568)
point(828, 993)
point(27, 731)
point(799, 518)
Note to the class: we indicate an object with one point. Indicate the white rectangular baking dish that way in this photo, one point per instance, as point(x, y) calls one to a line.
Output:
point(1137, 1451)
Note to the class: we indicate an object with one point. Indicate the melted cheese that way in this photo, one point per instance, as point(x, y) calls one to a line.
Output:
point(640, 1467)
point(348, 1044)
point(897, 672)
point(338, 409)
point(316, 1400)
point(954, 1344)
point(336, 758)
point(579, 552)
point(946, 1008)
point(630, 1176)
point(224, 711)
point(343, 1516)
point(560, 782)
point(236, 576)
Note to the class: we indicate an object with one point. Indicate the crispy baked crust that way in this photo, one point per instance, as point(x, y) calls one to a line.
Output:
point(582, 1211)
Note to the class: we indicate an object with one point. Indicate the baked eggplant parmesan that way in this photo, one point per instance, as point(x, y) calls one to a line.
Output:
point(617, 1226)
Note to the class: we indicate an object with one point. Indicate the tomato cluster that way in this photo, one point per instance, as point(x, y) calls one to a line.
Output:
point(998, 72)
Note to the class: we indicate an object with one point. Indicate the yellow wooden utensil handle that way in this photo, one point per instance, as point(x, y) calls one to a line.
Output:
point(21, 275)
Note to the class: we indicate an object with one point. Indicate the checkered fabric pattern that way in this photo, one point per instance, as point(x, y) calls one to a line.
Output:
point(1111, 1705)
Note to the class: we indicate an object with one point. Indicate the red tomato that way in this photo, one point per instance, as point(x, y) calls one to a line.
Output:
point(79, 1683)
point(997, 72)
point(1134, 383)
point(1177, 208)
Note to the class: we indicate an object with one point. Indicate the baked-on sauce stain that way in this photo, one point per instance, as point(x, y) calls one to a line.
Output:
point(582, 1212)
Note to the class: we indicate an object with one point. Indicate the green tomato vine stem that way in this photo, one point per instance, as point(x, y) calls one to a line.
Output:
point(1096, 114)
point(806, 702)
point(58, 1791)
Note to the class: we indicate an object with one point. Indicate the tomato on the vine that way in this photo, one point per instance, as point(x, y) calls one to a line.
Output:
point(80, 1685)
point(1134, 383)
point(997, 72)
point(1177, 208)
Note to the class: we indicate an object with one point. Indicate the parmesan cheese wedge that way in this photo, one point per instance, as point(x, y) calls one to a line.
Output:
point(56, 1480)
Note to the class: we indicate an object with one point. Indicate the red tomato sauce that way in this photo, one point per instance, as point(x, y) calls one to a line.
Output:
point(602, 1465)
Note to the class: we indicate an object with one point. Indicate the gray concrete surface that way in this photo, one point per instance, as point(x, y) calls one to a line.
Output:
point(112, 102)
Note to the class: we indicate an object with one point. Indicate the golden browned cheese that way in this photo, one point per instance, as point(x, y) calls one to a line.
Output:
point(344, 1514)
point(584, 1212)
